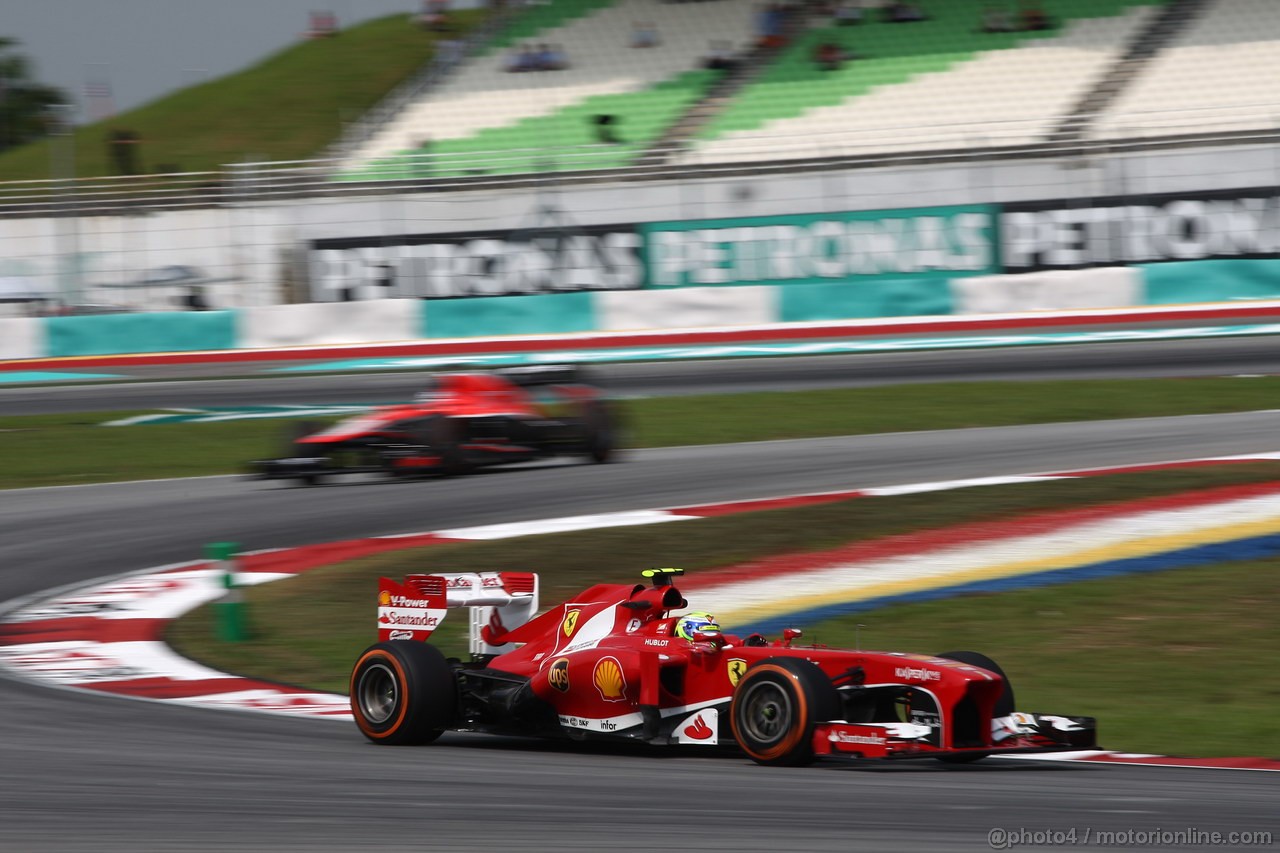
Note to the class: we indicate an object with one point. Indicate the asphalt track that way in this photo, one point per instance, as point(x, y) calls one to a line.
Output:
point(97, 773)
point(190, 385)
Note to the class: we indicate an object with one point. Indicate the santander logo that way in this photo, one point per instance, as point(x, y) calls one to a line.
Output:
point(698, 729)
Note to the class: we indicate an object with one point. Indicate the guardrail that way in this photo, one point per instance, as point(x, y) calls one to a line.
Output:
point(541, 166)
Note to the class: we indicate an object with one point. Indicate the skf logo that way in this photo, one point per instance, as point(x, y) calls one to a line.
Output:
point(384, 598)
point(609, 680)
point(558, 675)
point(570, 622)
point(737, 667)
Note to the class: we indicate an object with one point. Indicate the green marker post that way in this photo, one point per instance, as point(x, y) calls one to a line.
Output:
point(229, 613)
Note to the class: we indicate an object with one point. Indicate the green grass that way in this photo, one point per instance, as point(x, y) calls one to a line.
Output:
point(288, 107)
point(51, 450)
point(1081, 640)
point(1180, 663)
point(55, 450)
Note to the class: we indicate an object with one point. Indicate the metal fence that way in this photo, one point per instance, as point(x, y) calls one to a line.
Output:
point(535, 166)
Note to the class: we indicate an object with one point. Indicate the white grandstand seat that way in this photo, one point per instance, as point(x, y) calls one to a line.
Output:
point(1221, 73)
point(1000, 97)
point(484, 95)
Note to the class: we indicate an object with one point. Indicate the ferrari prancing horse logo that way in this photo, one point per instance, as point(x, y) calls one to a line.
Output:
point(570, 622)
point(737, 666)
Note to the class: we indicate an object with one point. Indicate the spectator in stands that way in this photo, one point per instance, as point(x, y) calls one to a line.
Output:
point(995, 19)
point(1032, 17)
point(900, 12)
point(720, 56)
point(829, 56)
point(848, 13)
point(324, 24)
point(770, 24)
point(645, 34)
point(604, 124)
point(522, 59)
point(551, 57)
point(434, 15)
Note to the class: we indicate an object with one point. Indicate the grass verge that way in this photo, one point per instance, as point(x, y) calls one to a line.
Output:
point(49, 450)
point(1066, 657)
point(1179, 662)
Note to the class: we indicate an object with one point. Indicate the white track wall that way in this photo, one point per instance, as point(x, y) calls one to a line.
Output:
point(1053, 290)
point(21, 338)
point(330, 323)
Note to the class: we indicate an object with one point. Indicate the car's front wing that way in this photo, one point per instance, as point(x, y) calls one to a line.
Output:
point(1017, 733)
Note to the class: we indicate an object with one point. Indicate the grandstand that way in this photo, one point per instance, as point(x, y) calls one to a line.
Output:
point(1106, 72)
point(937, 84)
point(929, 85)
point(529, 115)
point(1225, 64)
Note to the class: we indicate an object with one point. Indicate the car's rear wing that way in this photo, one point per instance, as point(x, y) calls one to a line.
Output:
point(413, 609)
point(532, 375)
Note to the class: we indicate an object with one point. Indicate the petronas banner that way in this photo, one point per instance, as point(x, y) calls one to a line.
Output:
point(938, 242)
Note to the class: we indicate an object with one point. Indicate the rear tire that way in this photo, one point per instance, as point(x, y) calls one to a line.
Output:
point(599, 427)
point(1004, 702)
point(775, 707)
point(443, 437)
point(403, 692)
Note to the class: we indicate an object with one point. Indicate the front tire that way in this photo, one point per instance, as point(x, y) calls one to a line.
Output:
point(403, 692)
point(294, 432)
point(775, 707)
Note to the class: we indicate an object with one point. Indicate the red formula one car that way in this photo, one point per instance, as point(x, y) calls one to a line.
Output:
point(610, 664)
point(462, 421)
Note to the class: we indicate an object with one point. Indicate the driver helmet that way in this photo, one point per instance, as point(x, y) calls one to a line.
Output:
point(691, 622)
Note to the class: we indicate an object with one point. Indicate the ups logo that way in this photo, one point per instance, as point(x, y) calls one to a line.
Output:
point(558, 675)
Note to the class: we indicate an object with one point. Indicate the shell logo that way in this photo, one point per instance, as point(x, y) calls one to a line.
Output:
point(570, 622)
point(384, 598)
point(609, 680)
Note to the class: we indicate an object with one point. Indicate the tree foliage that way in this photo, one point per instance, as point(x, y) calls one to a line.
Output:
point(25, 105)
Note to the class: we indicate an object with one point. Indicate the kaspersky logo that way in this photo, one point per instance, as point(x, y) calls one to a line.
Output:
point(917, 673)
point(570, 622)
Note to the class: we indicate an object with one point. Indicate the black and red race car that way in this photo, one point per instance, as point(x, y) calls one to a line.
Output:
point(608, 664)
point(460, 422)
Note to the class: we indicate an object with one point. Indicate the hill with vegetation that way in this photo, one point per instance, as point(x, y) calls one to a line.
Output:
point(290, 106)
